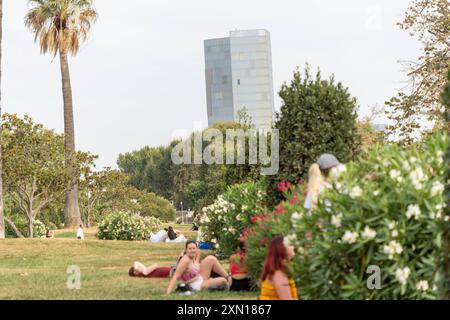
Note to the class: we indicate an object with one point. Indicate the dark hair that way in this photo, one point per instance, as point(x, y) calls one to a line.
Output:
point(131, 272)
point(276, 258)
point(188, 243)
point(171, 234)
point(242, 245)
point(81, 225)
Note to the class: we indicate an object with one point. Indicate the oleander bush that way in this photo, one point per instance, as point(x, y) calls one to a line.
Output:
point(384, 213)
point(124, 226)
point(39, 229)
point(223, 222)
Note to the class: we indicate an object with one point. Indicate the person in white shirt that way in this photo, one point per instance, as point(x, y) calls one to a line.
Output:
point(160, 236)
point(80, 233)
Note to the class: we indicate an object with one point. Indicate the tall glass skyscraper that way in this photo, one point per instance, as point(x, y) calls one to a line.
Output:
point(239, 75)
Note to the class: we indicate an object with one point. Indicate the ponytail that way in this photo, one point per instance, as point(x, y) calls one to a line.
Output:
point(315, 182)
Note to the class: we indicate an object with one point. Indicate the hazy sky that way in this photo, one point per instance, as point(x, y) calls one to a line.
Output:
point(140, 77)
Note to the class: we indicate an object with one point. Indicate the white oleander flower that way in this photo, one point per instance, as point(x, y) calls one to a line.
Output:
point(376, 193)
point(238, 217)
point(392, 248)
point(214, 240)
point(413, 211)
point(296, 217)
point(422, 285)
point(244, 208)
point(413, 159)
point(260, 194)
point(327, 204)
point(437, 188)
point(394, 174)
point(368, 233)
point(290, 240)
point(394, 233)
point(336, 220)
point(350, 237)
point(356, 192)
point(417, 177)
point(406, 166)
point(391, 224)
point(231, 230)
point(402, 275)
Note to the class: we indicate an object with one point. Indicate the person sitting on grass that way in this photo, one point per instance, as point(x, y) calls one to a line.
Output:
point(276, 284)
point(238, 269)
point(49, 234)
point(197, 274)
point(154, 271)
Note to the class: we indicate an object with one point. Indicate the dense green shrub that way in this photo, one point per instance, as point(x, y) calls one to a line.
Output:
point(125, 226)
point(317, 116)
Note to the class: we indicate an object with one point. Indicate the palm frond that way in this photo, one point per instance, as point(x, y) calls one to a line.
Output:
point(60, 25)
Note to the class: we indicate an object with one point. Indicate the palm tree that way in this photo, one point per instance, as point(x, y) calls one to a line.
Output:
point(60, 26)
point(2, 218)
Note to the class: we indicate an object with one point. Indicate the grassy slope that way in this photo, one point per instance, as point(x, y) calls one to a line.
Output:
point(36, 268)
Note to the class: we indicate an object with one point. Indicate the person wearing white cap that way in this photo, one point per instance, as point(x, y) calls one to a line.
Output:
point(326, 168)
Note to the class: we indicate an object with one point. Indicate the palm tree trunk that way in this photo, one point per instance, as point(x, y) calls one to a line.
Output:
point(72, 210)
point(2, 218)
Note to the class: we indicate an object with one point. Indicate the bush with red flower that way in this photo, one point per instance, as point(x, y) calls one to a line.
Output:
point(266, 226)
point(230, 216)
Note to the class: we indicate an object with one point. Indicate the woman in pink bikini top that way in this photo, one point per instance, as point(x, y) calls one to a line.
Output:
point(191, 274)
point(196, 274)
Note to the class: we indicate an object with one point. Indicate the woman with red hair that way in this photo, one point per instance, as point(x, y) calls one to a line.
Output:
point(276, 284)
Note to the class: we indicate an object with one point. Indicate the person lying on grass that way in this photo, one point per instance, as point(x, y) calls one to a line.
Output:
point(197, 274)
point(154, 271)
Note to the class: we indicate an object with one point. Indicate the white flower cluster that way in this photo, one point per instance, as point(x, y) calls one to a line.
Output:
point(290, 240)
point(437, 189)
point(369, 233)
point(396, 175)
point(422, 285)
point(393, 248)
point(296, 217)
point(356, 192)
point(417, 178)
point(336, 220)
point(350, 237)
point(413, 211)
point(402, 275)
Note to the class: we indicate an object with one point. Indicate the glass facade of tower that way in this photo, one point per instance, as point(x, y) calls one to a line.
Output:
point(239, 75)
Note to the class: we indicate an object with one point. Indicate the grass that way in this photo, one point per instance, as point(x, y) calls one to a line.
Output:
point(37, 268)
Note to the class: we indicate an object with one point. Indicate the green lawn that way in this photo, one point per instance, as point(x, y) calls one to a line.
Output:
point(36, 268)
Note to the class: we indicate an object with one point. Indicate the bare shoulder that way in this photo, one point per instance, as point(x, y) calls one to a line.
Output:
point(280, 277)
